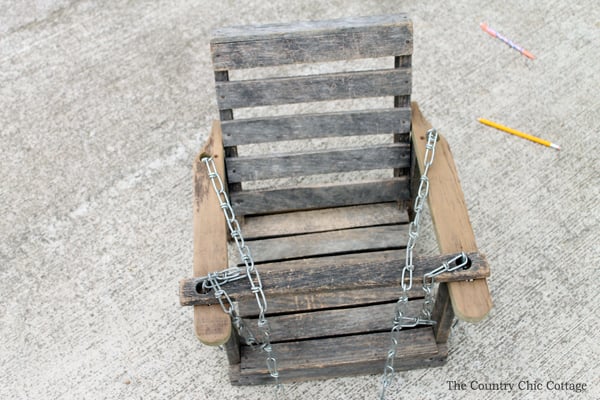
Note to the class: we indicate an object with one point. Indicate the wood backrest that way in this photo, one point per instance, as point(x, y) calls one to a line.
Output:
point(314, 45)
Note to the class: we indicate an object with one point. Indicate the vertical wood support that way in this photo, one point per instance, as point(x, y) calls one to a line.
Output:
point(227, 115)
point(402, 101)
point(415, 177)
point(223, 76)
point(442, 314)
point(402, 62)
point(232, 348)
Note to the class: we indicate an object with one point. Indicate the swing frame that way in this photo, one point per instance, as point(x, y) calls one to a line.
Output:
point(345, 299)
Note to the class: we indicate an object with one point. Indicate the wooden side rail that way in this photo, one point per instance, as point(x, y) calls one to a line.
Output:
point(211, 325)
point(471, 301)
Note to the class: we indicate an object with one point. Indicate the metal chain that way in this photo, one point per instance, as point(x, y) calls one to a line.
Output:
point(401, 320)
point(415, 225)
point(216, 279)
point(221, 277)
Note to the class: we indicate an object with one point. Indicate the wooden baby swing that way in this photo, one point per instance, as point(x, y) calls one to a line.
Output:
point(338, 292)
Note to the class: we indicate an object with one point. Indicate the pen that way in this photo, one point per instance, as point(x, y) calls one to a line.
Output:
point(519, 133)
point(509, 42)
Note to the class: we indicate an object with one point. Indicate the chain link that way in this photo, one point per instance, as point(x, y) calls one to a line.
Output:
point(221, 277)
point(216, 279)
point(415, 225)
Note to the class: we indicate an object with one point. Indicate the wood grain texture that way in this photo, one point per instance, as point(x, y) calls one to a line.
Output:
point(340, 356)
point(329, 243)
point(309, 126)
point(340, 322)
point(442, 314)
point(311, 41)
point(253, 168)
point(286, 278)
point(232, 348)
point(328, 219)
point(298, 302)
point(290, 90)
point(471, 301)
point(319, 196)
point(403, 61)
point(224, 114)
point(294, 302)
point(211, 325)
point(227, 115)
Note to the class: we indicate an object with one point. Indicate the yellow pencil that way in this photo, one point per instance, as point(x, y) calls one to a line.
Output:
point(519, 133)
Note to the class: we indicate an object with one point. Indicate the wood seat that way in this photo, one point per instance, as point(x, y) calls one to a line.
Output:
point(313, 265)
point(327, 226)
point(323, 220)
point(329, 231)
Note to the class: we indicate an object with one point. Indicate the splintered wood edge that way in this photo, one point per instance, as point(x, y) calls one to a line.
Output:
point(471, 300)
point(211, 325)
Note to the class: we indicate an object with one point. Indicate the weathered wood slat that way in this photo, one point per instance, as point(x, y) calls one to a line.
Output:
point(343, 85)
point(326, 261)
point(347, 321)
point(311, 41)
point(330, 243)
point(349, 355)
point(308, 126)
point(227, 115)
point(211, 325)
point(298, 28)
point(286, 278)
point(328, 219)
point(339, 370)
point(308, 353)
point(319, 196)
point(224, 114)
point(296, 302)
point(471, 301)
point(254, 168)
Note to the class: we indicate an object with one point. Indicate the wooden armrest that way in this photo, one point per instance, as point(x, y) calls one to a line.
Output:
point(211, 325)
point(471, 300)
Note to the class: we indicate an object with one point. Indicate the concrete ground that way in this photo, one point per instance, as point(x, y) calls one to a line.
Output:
point(103, 106)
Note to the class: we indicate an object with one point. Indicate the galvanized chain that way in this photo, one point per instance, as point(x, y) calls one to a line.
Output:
point(220, 277)
point(401, 320)
point(216, 279)
point(422, 193)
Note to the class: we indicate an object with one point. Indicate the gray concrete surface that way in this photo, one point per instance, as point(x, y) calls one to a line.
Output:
point(103, 105)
